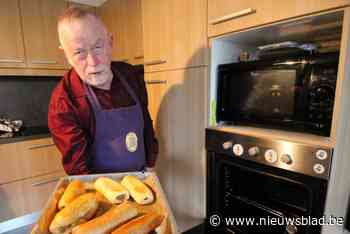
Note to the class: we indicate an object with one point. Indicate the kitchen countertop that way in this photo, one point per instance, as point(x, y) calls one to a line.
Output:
point(19, 225)
point(28, 133)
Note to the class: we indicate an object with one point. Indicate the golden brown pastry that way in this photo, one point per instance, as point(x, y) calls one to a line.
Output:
point(103, 204)
point(49, 212)
point(141, 225)
point(74, 189)
point(108, 221)
point(79, 210)
point(138, 190)
point(112, 190)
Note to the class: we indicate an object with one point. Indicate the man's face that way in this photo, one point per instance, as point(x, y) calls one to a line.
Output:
point(88, 48)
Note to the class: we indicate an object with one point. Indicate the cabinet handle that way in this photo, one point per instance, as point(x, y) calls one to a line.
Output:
point(156, 82)
point(138, 57)
point(40, 146)
point(43, 62)
point(46, 181)
point(11, 60)
point(232, 16)
point(154, 62)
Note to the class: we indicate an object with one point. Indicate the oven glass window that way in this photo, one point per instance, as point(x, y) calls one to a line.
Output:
point(239, 184)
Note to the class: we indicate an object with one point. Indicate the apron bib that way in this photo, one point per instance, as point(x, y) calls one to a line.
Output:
point(118, 143)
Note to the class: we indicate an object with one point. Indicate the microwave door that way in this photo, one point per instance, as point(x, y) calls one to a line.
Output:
point(271, 95)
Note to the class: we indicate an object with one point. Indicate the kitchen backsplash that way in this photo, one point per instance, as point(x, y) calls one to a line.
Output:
point(26, 98)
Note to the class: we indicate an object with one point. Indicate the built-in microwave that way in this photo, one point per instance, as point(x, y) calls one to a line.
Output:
point(290, 92)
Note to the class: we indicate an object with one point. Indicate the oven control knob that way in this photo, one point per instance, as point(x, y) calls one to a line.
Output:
point(238, 149)
point(271, 156)
point(291, 229)
point(319, 168)
point(253, 151)
point(227, 145)
point(321, 154)
point(286, 158)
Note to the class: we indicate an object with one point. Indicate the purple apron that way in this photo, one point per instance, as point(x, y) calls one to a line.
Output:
point(118, 144)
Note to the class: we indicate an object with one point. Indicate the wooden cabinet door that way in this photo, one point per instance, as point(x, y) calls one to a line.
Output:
point(180, 124)
point(39, 20)
point(28, 158)
point(11, 46)
point(113, 14)
point(25, 196)
point(174, 34)
point(156, 85)
point(155, 34)
point(133, 23)
point(229, 16)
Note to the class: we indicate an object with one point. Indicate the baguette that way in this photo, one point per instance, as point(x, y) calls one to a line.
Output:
point(112, 190)
point(141, 225)
point(48, 214)
point(108, 221)
point(74, 189)
point(138, 190)
point(79, 210)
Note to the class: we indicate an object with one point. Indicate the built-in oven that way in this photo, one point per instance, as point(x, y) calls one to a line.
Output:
point(264, 186)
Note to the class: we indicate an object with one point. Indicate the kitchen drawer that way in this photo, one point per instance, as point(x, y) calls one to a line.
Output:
point(26, 159)
point(229, 16)
point(26, 196)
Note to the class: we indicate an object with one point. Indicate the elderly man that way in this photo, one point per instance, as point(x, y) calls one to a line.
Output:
point(98, 113)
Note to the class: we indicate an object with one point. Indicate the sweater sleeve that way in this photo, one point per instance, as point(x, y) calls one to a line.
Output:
point(68, 136)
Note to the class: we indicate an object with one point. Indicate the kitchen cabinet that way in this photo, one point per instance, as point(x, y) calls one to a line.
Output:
point(28, 175)
point(11, 46)
point(178, 116)
point(25, 196)
point(123, 20)
point(226, 16)
point(133, 16)
point(83, 6)
point(30, 158)
point(174, 34)
point(111, 14)
point(39, 20)
point(155, 90)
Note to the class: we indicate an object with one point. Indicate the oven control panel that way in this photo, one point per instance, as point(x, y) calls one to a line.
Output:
point(301, 158)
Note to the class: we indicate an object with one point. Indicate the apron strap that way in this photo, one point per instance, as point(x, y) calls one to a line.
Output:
point(127, 86)
point(92, 98)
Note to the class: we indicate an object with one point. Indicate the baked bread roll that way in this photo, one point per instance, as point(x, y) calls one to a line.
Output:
point(76, 212)
point(108, 221)
point(74, 189)
point(141, 225)
point(49, 213)
point(112, 190)
point(138, 190)
point(103, 204)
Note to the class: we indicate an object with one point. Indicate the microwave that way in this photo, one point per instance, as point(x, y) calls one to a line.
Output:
point(293, 93)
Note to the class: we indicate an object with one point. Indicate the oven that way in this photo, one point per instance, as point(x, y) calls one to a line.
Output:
point(264, 186)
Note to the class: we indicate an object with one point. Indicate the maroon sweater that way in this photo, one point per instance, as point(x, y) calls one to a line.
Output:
point(72, 123)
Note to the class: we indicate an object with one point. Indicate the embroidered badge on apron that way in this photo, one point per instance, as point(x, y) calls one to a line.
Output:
point(131, 141)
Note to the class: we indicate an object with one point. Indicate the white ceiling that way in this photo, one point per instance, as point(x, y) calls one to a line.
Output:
point(89, 2)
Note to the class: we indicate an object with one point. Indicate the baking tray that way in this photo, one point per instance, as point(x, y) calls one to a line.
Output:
point(161, 204)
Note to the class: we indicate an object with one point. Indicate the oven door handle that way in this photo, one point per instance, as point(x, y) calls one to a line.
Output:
point(260, 206)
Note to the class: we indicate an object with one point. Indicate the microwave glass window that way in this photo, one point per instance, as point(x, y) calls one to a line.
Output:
point(271, 94)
